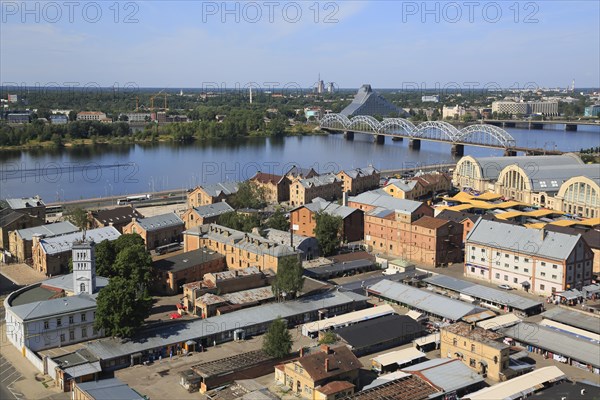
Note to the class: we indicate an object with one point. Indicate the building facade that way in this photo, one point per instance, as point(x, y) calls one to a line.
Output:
point(157, 231)
point(276, 187)
point(543, 262)
point(479, 349)
point(304, 219)
point(358, 180)
point(21, 241)
point(303, 191)
point(210, 194)
point(207, 214)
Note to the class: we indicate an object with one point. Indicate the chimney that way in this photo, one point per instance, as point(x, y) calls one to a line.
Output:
point(301, 351)
point(472, 327)
point(133, 219)
point(325, 348)
point(326, 364)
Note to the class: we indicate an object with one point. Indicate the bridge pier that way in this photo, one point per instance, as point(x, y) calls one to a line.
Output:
point(414, 144)
point(349, 135)
point(458, 150)
point(510, 153)
point(379, 139)
point(571, 127)
point(397, 138)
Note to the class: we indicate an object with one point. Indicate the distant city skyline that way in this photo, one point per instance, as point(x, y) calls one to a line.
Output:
point(181, 44)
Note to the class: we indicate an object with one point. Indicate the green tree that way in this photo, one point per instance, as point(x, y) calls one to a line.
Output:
point(277, 341)
point(127, 240)
point(289, 279)
point(240, 222)
point(328, 338)
point(134, 264)
point(278, 221)
point(78, 217)
point(122, 308)
point(249, 195)
point(328, 232)
point(105, 258)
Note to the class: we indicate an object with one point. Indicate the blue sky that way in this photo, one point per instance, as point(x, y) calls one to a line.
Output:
point(389, 44)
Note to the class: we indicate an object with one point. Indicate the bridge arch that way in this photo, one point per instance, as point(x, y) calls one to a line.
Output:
point(334, 121)
point(486, 135)
point(364, 123)
point(392, 125)
point(436, 130)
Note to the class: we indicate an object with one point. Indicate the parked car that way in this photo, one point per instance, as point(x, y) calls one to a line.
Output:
point(505, 287)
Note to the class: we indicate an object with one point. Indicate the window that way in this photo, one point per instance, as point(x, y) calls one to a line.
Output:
point(506, 278)
point(83, 332)
point(553, 276)
point(543, 273)
point(472, 363)
point(506, 265)
point(472, 257)
point(495, 359)
point(516, 268)
point(71, 320)
point(516, 258)
point(542, 287)
point(506, 256)
point(455, 342)
point(82, 287)
point(472, 248)
point(543, 264)
point(526, 260)
point(46, 325)
point(554, 266)
point(82, 317)
point(515, 280)
point(497, 262)
point(526, 269)
point(71, 335)
point(472, 347)
point(497, 276)
point(58, 321)
point(472, 269)
point(483, 250)
point(62, 337)
point(482, 259)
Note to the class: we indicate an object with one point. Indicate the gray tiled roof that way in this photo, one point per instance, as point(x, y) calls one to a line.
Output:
point(386, 201)
point(360, 172)
point(25, 202)
point(215, 209)
point(320, 180)
point(8, 216)
point(160, 222)
point(553, 245)
point(47, 308)
point(557, 342)
point(423, 300)
point(59, 244)
point(245, 241)
point(217, 189)
point(318, 205)
point(59, 228)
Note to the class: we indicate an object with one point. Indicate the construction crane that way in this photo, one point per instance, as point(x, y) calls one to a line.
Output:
point(156, 95)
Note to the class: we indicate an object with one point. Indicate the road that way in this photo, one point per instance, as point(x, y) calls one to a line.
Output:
point(158, 198)
point(8, 377)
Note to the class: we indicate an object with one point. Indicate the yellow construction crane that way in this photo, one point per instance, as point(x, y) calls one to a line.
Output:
point(156, 95)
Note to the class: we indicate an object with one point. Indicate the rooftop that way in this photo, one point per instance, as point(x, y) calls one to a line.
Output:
point(380, 330)
point(447, 374)
point(570, 390)
point(250, 296)
point(58, 228)
point(476, 334)
point(331, 208)
point(25, 202)
point(568, 345)
point(430, 222)
point(226, 188)
point(550, 245)
point(368, 102)
point(386, 201)
point(212, 210)
point(360, 172)
point(60, 244)
point(408, 387)
point(482, 292)
point(491, 166)
point(65, 282)
point(579, 319)
point(187, 260)
point(54, 307)
point(432, 303)
point(118, 215)
point(319, 180)
point(8, 216)
point(340, 360)
point(109, 389)
point(161, 221)
point(232, 363)
point(267, 178)
point(283, 237)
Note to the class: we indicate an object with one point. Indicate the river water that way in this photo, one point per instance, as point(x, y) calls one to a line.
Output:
point(109, 170)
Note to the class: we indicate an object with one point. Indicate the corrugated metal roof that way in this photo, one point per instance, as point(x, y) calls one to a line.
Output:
point(109, 348)
point(553, 245)
point(499, 322)
point(46, 308)
point(84, 369)
point(587, 321)
point(565, 344)
point(346, 319)
point(580, 333)
point(522, 384)
point(423, 300)
point(161, 221)
point(330, 208)
point(109, 389)
point(399, 357)
point(448, 374)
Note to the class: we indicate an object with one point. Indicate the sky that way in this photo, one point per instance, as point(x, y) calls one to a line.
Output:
point(388, 44)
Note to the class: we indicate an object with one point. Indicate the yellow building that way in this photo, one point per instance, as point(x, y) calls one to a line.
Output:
point(328, 374)
point(478, 348)
point(303, 191)
point(241, 250)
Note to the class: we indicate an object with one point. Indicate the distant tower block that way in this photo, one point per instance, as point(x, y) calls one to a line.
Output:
point(250, 94)
point(84, 268)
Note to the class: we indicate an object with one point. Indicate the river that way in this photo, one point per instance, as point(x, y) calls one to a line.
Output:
point(110, 170)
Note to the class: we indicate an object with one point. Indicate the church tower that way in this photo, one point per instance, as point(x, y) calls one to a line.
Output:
point(84, 268)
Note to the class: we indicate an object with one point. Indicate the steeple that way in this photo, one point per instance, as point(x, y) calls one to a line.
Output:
point(84, 268)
